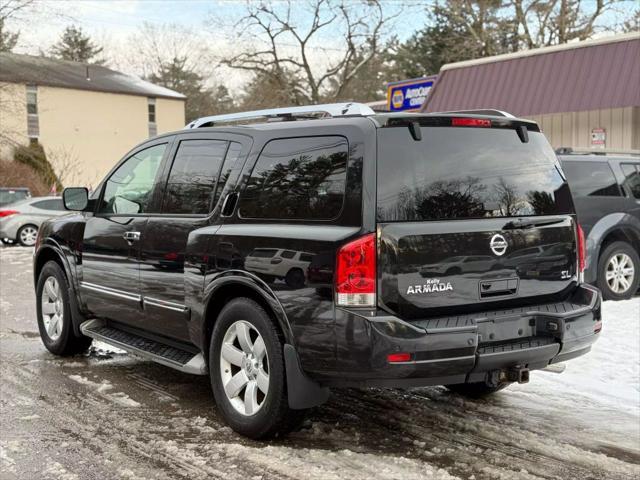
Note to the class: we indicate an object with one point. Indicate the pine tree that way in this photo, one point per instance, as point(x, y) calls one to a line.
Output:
point(74, 45)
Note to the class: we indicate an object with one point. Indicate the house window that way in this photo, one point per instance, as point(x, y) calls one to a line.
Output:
point(151, 108)
point(33, 125)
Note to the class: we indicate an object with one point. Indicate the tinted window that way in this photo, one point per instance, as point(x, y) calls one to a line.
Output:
point(263, 252)
point(632, 178)
point(128, 190)
point(297, 178)
point(457, 173)
point(591, 179)
point(306, 257)
point(288, 254)
point(49, 204)
point(193, 177)
point(231, 162)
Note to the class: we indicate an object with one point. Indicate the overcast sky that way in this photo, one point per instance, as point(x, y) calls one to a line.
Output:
point(113, 23)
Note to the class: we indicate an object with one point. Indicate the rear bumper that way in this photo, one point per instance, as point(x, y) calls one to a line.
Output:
point(463, 348)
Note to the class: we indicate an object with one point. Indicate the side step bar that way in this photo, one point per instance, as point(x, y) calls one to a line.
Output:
point(187, 362)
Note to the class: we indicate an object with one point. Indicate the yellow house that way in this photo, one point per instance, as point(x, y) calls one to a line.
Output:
point(85, 116)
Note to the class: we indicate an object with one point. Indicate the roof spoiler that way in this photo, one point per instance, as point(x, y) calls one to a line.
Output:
point(287, 113)
point(482, 111)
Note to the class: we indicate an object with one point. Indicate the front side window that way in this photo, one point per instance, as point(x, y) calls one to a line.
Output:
point(194, 176)
point(298, 178)
point(631, 178)
point(129, 189)
point(591, 179)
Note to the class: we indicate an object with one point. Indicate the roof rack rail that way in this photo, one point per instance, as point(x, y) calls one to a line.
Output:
point(595, 151)
point(482, 111)
point(330, 109)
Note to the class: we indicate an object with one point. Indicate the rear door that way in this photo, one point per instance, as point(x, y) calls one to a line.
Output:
point(470, 218)
point(193, 182)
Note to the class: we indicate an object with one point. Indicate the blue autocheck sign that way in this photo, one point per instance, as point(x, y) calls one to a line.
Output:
point(409, 95)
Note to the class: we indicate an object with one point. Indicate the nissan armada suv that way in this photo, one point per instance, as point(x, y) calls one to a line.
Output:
point(156, 261)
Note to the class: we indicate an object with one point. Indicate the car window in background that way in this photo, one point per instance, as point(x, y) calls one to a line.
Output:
point(591, 179)
point(194, 175)
point(288, 254)
point(129, 188)
point(632, 178)
point(53, 204)
point(298, 178)
point(10, 196)
point(263, 252)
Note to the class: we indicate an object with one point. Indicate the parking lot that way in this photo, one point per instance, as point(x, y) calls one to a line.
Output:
point(108, 415)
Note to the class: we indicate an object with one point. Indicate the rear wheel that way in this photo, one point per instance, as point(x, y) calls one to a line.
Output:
point(476, 390)
point(618, 274)
point(248, 373)
point(27, 235)
point(54, 313)
point(295, 278)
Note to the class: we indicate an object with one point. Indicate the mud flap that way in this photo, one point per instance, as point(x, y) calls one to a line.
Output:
point(302, 391)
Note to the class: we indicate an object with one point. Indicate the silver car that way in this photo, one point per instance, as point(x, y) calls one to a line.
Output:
point(19, 221)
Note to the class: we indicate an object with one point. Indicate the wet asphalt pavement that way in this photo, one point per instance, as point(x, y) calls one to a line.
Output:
point(109, 415)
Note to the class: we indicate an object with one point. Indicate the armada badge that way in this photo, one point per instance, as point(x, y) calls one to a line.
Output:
point(431, 285)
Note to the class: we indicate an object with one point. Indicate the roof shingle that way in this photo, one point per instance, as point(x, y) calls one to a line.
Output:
point(28, 69)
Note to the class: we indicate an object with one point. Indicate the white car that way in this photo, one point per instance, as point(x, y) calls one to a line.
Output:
point(272, 263)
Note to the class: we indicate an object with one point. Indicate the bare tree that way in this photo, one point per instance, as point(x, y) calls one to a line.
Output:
point(550, 22)
point(291, 50)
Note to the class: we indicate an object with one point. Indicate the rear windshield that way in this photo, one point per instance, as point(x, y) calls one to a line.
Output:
point(460, 173)
point(10, 196)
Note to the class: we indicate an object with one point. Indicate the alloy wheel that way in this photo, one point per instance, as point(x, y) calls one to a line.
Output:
point(52, 308)
point(244, 367)
point(28, 235)
point(620, 273)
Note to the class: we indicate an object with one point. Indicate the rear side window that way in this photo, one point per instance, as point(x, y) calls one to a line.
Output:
point(297, 178)
point(263, 252)
point(631, 178)
point(194, 175)
point(591, 179)
point(461, 173)
point(53, 204)
point(288, 254)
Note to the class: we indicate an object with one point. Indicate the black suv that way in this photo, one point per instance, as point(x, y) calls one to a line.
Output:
point(606, 193)
point(177, 257)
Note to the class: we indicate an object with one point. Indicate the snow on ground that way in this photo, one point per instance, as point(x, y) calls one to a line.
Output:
point(110, 415)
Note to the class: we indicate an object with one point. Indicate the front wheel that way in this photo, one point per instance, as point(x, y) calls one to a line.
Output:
point(476, 390)
point(618, 274)
point(54, 313)
point(248, 373)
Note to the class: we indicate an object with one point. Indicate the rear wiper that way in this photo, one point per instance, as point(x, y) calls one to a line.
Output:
point(524, 224)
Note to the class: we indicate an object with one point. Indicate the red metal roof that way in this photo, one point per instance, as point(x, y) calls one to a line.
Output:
point(591, 75)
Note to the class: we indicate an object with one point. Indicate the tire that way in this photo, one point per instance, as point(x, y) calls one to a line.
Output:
point(56, 328)
point(27, 235)
point(269, 416)
point(623, 283)
point(295, 278)
point(476, 390)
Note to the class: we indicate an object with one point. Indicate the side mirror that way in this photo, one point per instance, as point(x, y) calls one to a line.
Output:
point(75, 198)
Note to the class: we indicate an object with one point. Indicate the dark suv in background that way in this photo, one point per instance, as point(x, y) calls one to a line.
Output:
point(177, 256)
point(606, 193)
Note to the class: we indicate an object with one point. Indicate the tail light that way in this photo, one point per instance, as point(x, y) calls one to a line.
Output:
point(356, 273)
point(6, 213)
point(581, 249)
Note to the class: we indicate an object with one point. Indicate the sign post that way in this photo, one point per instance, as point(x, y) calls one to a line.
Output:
point(409, 95)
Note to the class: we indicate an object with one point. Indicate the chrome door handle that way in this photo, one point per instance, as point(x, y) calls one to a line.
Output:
point(131, 236)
